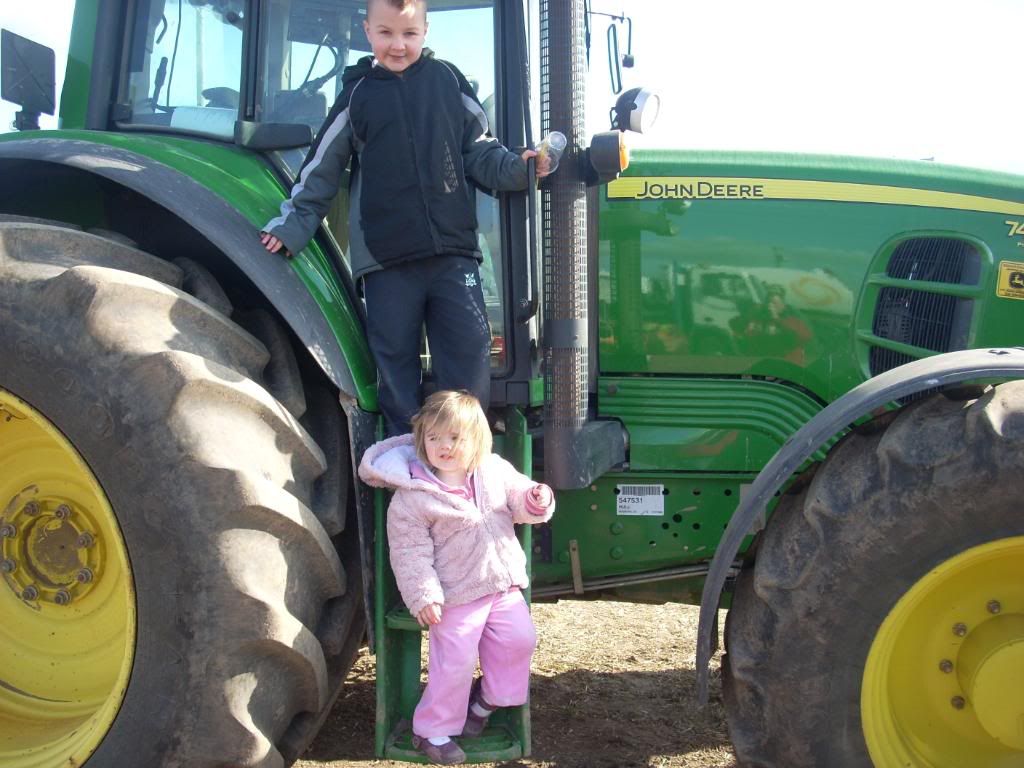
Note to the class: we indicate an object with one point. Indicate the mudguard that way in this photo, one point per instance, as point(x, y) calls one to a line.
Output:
point(218, 221)
point(929, 373)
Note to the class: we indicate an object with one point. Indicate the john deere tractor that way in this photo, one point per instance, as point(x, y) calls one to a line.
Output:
point(780, 384)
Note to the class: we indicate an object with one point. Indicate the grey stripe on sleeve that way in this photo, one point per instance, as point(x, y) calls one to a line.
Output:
point(357, 143)
point(474, 109)
point(288, 207)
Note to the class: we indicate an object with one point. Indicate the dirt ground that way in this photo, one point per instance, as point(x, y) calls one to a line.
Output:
point(613, 687)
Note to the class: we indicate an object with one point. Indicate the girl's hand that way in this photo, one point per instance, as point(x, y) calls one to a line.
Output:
point(543, 162)
point(270, 242)
point(541, 495)
point(430, 614)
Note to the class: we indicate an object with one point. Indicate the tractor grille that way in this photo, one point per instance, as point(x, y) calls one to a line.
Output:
point(919, 318)
point(929, 319)
point(935, 260)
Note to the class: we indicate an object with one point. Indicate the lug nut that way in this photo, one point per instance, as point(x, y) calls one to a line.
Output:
point(960, 629)
point(63, 512)
point(31, 509)
point(994, 606)
point(29, 593)
point(946, 666)
point(8, 531)
point(958, 702)
point(63, 597)
point(85, 540)
point(8, 566)
point(84, 576)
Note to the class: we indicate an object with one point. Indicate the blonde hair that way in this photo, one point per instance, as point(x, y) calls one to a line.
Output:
point(461, 413)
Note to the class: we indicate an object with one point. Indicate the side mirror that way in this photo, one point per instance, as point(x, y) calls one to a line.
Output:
point(27, 78)
point(264, 137)
point(615, 62)
point(614, 70)
point(636, 110)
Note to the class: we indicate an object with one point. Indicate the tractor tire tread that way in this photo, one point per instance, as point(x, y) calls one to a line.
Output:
point(267, 580)
point(851, 533)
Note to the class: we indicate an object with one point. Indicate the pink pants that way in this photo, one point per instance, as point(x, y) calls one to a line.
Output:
point(499, 629)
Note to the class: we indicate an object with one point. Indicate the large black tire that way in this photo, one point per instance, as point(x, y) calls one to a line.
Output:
point(881, 514)
point(247, 617)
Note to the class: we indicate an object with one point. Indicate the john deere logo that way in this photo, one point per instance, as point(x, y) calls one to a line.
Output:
point(1010, 284)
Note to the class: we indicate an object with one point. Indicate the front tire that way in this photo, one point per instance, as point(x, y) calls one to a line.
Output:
point(241, 619)
point(883, 621)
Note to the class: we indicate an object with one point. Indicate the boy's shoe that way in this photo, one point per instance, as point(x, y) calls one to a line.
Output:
point(448, 753)
point(475, 723)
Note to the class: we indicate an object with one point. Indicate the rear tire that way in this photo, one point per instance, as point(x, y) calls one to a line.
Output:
point(246, 617)
point(839, 636)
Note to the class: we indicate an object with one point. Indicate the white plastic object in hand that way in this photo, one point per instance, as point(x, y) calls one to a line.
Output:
point(552, 147)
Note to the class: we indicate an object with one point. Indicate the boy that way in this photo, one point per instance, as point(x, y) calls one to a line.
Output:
point(415, 132)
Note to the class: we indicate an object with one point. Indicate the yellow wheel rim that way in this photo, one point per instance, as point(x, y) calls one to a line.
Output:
point(944, 681)
point(67, 606)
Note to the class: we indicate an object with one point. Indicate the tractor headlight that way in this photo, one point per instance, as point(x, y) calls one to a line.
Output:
point(636, 110)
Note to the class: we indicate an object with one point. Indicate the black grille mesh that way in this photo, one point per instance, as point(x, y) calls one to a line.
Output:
point(563, 68)
point(915, 317)
point(885, 359)
point(936, 260)
point(933, 321)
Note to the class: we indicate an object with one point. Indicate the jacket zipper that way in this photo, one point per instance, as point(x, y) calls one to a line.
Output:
point(415, 159)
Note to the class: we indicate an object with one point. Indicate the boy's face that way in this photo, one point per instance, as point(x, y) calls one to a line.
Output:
point(396, 36)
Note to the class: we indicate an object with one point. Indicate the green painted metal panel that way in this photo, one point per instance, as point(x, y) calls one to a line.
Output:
point(74, 96)
point(736, 297)
point(704, 424)
point(703, 277)
point(245, 180)
point(611, 541)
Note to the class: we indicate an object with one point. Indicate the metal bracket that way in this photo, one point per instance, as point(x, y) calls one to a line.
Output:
point(574, 564)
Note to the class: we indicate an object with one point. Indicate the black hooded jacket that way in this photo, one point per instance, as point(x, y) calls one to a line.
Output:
point(414, 139)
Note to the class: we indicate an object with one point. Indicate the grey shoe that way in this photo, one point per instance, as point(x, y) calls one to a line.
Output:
point(449, 753)
point(475, 723)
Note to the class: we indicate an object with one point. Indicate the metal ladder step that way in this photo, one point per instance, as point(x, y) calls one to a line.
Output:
point(400, 618)
point(494, 744)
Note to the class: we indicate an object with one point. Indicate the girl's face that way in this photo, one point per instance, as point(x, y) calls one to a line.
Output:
point(445, 451)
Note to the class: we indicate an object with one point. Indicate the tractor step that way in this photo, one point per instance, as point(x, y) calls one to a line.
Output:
point(494, 744)
point(400, 618)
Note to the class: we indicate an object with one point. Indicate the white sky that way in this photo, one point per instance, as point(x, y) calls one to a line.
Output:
point(911, 79)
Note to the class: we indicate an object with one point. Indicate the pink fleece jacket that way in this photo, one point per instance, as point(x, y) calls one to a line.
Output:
point(446, 549)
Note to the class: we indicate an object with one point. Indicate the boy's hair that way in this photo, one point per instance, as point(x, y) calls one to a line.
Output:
point(398, 5)
point(460, 412)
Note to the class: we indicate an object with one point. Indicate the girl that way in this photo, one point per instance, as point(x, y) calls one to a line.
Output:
point(459, 565)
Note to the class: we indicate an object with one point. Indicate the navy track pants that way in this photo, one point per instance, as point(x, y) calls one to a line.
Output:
point(444, 293)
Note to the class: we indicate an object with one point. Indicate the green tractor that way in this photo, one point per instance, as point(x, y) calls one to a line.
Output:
point(776, 383)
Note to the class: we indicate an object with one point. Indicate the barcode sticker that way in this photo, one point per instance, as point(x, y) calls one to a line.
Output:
point(640, 500)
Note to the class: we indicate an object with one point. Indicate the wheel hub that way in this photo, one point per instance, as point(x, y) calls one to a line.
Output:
point(49, 551)
point(991, 671)
point(943, 685)
point(67, 607)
